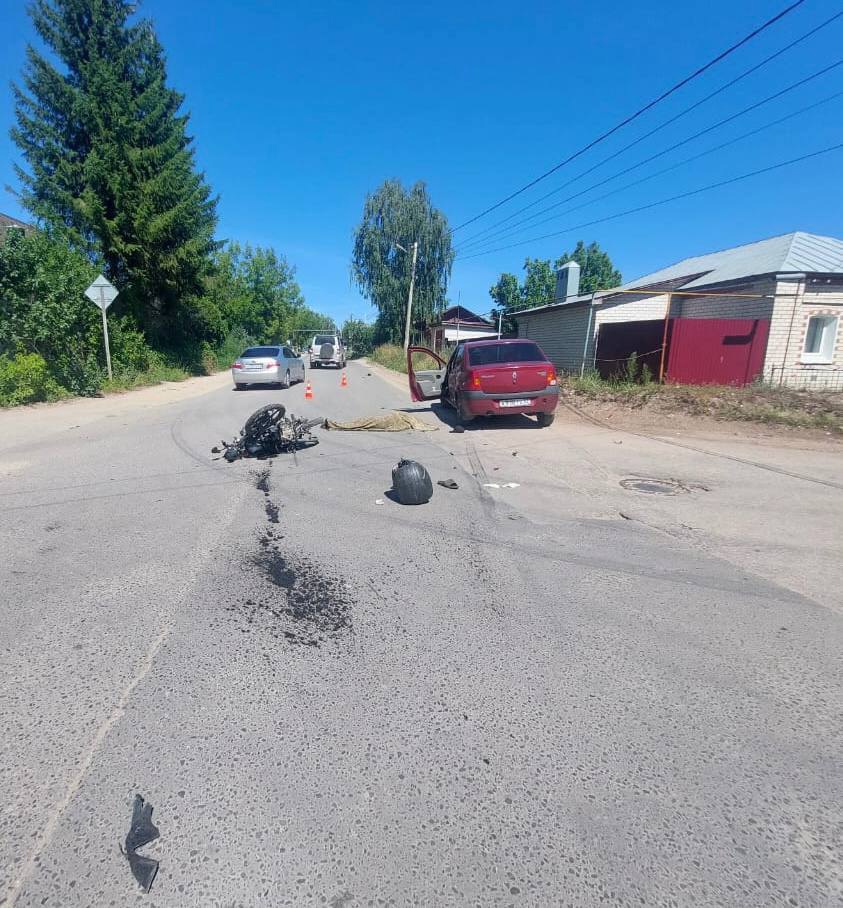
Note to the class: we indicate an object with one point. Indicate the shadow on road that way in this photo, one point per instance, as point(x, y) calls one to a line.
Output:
point(448, 416)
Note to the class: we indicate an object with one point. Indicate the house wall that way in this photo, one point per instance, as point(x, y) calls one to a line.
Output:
point(559, 332)
point(796, 301)
point(787, 301)
point(720, 305)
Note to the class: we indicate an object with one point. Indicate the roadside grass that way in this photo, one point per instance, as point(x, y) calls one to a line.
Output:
point(755, 403)
point(391, 356)
point(154, 375)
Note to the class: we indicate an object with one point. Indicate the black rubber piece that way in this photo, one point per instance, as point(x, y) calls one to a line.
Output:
point(141, 832)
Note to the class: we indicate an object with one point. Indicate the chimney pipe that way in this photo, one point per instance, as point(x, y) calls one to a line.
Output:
point(567, 282)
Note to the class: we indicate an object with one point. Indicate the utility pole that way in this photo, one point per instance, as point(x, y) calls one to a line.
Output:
point(410, 294)
point(500, 320)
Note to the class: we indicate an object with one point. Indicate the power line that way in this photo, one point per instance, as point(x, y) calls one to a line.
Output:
point(673, 198)
point(638, 113)
point(661, 126)
point(702, 154)
point(514, 228)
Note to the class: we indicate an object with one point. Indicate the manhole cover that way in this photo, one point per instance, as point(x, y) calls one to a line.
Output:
point(654, 486)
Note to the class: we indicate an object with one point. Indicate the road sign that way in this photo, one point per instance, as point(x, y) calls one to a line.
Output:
point(102, 293)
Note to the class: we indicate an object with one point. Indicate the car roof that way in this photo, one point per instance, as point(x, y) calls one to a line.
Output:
point(494, 340)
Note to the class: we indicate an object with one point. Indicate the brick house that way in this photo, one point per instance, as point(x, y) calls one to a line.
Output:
point(772, 309)
point(7, 223)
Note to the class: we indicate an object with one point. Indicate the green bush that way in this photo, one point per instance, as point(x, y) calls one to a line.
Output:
point(26, 379)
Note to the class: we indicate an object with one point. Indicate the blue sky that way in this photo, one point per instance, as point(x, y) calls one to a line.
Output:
point(299, 109)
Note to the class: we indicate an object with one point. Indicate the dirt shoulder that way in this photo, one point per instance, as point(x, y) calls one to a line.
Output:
point(785, 416)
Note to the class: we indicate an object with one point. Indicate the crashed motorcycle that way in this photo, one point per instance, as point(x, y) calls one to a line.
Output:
point(270, 431)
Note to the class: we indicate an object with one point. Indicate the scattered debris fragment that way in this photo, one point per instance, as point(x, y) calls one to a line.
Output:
point(379, 501)
point(142, 832)
point(411, 482)
point(458, 429)
point(514, 453)
point(501, 485)
point(447, 484)
point(394, 421)
point(270, 431)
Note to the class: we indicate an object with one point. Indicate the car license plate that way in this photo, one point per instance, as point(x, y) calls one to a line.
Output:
point(254, 367)
point(514, 403)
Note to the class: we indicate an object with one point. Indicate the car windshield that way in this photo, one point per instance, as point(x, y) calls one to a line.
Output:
point(324, 339)
point(489, 354)
point(261, 351)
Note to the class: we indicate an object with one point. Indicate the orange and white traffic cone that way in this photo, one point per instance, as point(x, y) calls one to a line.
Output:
point(308, 391)
point(344, 380)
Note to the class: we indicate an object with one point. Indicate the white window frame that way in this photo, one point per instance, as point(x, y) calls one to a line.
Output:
point(821, 357)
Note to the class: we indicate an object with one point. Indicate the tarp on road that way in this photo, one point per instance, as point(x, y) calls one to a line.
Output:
point(394, 421)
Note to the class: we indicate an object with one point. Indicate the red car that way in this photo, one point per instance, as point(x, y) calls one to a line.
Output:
point(489, 378)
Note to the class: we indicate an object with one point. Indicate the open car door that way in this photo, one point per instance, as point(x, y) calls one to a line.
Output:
point(425, 384)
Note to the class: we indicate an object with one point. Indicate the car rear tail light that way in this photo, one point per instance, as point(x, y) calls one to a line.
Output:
point(237, 365)
point(551, 377)
point(274, 364)
point(474, 380)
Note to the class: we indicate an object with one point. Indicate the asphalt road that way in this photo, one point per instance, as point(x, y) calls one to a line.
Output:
point(486, 700)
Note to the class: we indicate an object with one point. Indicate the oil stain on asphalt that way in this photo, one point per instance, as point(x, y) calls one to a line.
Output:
point(299, 602)
point(310, 606)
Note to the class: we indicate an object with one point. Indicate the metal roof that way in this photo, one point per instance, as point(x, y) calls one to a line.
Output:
point(791, 253)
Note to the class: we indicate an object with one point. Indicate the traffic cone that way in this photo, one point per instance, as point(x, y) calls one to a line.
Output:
point(344, 380)
point(308, 391)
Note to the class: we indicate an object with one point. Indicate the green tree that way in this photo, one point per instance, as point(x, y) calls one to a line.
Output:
point(110, 161)
point(506, 294)
point(539, 283)
point(596, 269)
point(393, 216)
point(539, 286)
point(359, 336)
point(253, 291)
point(43, 311)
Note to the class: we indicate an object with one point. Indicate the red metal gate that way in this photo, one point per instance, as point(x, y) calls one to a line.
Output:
point(716, 351)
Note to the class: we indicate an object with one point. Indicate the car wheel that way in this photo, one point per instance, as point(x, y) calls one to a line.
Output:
point(239, 386)
point(546, 419)
point(286, 382)
point(465, 416)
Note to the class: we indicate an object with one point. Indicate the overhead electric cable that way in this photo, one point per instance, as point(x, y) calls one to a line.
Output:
point(641, 110)
point(661, 126)
point(673, 198)
point(512, 229)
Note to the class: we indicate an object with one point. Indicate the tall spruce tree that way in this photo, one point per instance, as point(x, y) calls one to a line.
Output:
point(110, 161)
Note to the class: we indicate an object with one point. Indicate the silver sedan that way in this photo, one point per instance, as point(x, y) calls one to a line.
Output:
point(270, 365)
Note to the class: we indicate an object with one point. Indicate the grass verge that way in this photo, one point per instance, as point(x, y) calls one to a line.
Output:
point(154, 375)
point(754, 403)
point(391, 356)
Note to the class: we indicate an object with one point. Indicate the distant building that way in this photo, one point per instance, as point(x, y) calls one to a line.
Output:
point(459, 323)
point(769, 310)
point(7, 223)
